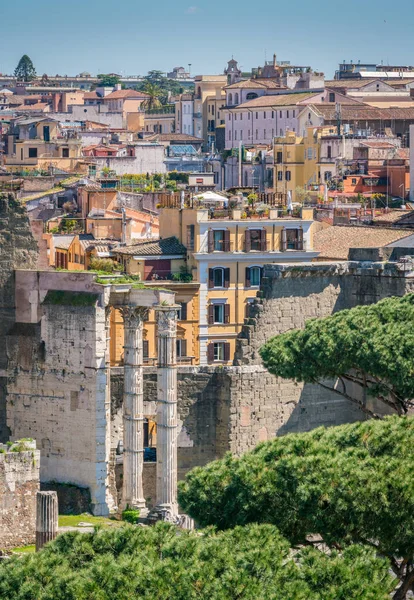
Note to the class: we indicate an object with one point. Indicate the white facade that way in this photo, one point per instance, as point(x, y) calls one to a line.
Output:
point(260, 125)
point(187, 115)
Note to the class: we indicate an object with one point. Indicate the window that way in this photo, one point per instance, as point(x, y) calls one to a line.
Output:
point(145, 349)
point(273, 114)
point(229, 117)
point(241, 116)
point(235, 116)
point(331, 97)
point(219, 240)
point(288, 176)
point(257, 134)
point(212, 110)
point(182, 311)
point(281, 133)
point(253, 276)
point(264, 114)
point(230, 99)
point(235, 135)
point(218, 313)
point(329, 151)
point(264, 134)
point(354, 181)
point(241, 134)
point(181, 348)
point(251, 96)
point(257, 115)
point(236, 98)
point(310, 153)
point(294, 114)
point(273, 133)
point(229, 135)
point(280, 175)
point(292, 239)
point(327, 175)
point(219, 277)
point(279, 157)
point(248, 116)
point(218, 351)
point(255, 239)
point(287, 114)
point(65, 152)
point(32, 152)
point(280, 114)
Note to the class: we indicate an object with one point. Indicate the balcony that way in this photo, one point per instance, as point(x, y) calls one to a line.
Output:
point(169, 109)
point(197, 115)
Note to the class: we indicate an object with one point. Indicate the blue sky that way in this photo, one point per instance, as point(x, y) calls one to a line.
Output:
point(133, 36)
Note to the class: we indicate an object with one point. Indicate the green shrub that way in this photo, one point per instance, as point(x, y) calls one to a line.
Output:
point(130, 515)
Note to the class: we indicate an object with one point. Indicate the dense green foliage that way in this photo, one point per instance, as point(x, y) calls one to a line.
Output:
point(350, 484)
point(108, 80)
point(130, 515)
point(253, 563)
point(25, 70)
point(371, 346)
point(164, 85)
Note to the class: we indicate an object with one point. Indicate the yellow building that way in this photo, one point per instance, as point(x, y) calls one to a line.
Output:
point(207, 91)
point(226, 255)
point(297, 163)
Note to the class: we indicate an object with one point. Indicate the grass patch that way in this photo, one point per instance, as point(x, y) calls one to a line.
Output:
point(59, 297)
point(25, 549)
point(74, 520)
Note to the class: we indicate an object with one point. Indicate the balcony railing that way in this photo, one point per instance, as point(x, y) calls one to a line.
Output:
point(161, 110)
point(181, 360)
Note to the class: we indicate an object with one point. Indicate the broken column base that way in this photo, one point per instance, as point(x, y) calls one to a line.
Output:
point(166, 513)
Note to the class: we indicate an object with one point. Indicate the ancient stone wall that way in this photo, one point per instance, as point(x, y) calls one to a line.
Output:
point(19, 482)
point(56, 393)
point(18, 249)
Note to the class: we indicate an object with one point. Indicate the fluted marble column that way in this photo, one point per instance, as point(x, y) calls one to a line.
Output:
point(46, 518)
point(167, 430)
point(133, 408)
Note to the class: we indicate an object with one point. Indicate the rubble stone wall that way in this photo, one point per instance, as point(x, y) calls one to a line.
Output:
point(19, 482)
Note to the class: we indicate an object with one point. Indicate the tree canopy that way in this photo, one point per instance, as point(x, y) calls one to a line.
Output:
point(108, 80)
point(25, 70)
point(346, 485)
point(252, 563)
point(365, 349)
point(164, 85)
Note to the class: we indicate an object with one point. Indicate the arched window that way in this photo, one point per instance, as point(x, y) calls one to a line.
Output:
point(251, 96)
point(219, 277)
point(230, 102)
point(236, 98)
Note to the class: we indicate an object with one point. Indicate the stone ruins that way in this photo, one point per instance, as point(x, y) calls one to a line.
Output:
point(57, 385)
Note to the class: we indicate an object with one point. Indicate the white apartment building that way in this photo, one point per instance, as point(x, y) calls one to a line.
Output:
point(260, 120)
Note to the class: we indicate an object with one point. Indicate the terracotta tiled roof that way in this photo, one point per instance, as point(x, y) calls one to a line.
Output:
point(277, 100)
point(91, 96)
point(393, 216)
point(39, 106)
point(167, 246)
point(125, 94)
point(335, 242)
point(174, 137)
point(378, 144)
point(363, 112)
point(245, 84)
point(63, 242)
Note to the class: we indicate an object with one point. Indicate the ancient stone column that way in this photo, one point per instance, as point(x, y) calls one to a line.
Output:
point(133, 409)
point(46, 518)
point(167, 426)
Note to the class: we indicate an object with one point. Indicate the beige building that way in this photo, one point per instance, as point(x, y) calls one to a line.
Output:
point(207, 87)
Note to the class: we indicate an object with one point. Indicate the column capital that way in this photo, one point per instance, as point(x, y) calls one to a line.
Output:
point(166, 318)
point(133, 315)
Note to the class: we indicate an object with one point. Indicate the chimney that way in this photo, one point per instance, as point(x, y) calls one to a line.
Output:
point(118, 87)
point(274, 60)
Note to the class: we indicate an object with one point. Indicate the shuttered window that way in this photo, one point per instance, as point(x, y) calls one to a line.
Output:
point(218, 352)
